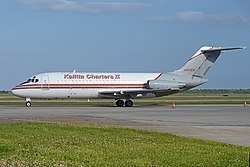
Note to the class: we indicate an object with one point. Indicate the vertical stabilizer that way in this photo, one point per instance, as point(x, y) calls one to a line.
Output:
point(202, 60)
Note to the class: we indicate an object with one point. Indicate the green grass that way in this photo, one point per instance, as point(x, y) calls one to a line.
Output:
point(44, 144)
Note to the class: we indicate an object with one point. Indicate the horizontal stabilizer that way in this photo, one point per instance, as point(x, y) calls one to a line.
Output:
point(215, 49)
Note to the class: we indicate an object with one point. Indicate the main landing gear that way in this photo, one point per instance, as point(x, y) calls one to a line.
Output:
point(120, 103)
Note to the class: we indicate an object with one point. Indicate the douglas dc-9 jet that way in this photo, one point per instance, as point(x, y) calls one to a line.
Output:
point(122, 87)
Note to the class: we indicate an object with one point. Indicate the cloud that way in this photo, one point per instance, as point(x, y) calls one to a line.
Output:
point(85, 7)
point(197, 16)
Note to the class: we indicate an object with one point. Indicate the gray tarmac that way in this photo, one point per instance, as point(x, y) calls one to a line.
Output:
point(228, 124)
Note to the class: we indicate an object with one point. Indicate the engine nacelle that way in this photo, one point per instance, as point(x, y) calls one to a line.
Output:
point(164, 84)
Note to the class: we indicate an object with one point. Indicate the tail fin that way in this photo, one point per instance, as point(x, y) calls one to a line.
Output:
point(202, 60)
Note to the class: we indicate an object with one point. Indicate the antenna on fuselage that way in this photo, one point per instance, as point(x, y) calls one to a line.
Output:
point(74, 71)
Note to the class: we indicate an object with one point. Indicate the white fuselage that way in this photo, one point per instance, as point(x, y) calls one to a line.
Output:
point(80, 85)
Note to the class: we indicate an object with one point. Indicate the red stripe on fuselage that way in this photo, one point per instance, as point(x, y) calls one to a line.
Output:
point(79, 86)
point(199, 54)
point(29, 88)
point(195, 56)
point(158, 76)
point(84, 85)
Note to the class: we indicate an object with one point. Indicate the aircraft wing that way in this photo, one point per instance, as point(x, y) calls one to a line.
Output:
point(126, 94)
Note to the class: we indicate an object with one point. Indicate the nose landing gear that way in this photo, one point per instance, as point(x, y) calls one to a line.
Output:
point(28, 103)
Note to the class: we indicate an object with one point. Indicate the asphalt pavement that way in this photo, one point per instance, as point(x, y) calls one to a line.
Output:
point(228, 124)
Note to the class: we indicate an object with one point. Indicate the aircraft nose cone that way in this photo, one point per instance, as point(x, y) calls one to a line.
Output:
point(16, 92)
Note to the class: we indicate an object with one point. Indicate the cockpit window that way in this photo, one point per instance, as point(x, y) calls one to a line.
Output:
point(28, 81)
point(33, 80)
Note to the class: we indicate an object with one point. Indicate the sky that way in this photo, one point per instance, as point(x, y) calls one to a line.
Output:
point(39, 36)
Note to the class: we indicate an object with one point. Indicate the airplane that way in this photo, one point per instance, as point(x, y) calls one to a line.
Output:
point(122, 87)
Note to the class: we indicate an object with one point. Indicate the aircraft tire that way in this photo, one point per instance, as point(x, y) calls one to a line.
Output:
point(129, 103)
point(28, 104)
point(119, 103)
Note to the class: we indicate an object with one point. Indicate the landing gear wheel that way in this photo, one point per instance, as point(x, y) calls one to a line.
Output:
point(28, 104)
point(119, 103)
point(129, 103)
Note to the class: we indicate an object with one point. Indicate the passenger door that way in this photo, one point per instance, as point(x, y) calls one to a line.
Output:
point(45, 82)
